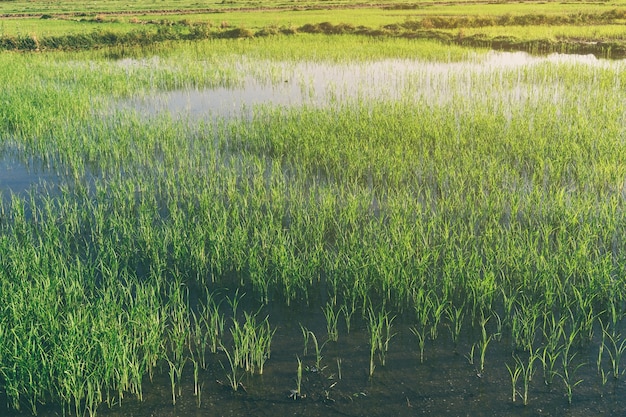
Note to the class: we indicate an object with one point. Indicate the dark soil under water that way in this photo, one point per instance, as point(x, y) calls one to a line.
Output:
point(445, 384)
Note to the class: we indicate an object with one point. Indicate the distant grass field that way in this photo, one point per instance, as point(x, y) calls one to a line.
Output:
point(582, 27)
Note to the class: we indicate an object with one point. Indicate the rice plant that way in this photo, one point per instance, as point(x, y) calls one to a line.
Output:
point(251, 343)
point(615, 347)
point(379, 327)
point(332, 318)
point(233, 373)
point(514, 373)
point(421, 341)
point(455, 317)
point(297, 393)
point(309, 335)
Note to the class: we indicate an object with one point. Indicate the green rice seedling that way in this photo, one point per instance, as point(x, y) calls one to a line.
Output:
point(197, 345)
point(199, 396)
point(549, 357)
point(615, 312)
point(233, 374)
point(582, 315)
point(234, 302)
point(251, 343)
point(438, 308)
point(509, 300)
point(298, 392)
point(568, 371)
point(348, 311)
point(379, 326)
point(616, 348)
point(567, 375)
point(498, 333)
point(601, 349)
point(388, 335)
point(514, 373)
point(553, 330)
point(528, 371)
point(375, 327)
point(524, 325)
point(482, 346)
point(421, 341)
point(423, 307)
point(455, 318)
point(214, 323)
point(471, 355)
point(568, 347)
point(173, 379)
point(604, 376)
point(196, 376)
point(374, 341)
point(339, 368)
point(305, 336)
point(484, 342)
point(332, 318)
point(318, 349)
point(178, 331)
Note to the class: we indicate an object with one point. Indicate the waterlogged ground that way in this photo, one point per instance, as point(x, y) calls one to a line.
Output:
point(445, 384)
point(449, 381)
point(314, 84)
point(19, 176)
point(323, 84)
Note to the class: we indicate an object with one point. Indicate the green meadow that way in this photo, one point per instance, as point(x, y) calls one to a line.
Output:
point(390, 218)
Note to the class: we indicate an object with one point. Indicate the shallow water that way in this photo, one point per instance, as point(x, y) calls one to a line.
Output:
point(445, 384)
point(327, 84)
point(19, 176)
point(319, 85)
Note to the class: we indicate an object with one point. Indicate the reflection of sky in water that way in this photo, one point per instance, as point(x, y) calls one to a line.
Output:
point(325, 84)
point(19, 177)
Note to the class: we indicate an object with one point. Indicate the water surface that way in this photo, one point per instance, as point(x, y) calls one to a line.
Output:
point(320, 84)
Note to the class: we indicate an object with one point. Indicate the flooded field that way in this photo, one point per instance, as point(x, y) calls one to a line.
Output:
point(326, 85)
point(448, 381)
point(367, 238)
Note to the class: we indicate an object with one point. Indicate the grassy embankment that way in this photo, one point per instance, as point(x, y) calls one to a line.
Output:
point(535, 27)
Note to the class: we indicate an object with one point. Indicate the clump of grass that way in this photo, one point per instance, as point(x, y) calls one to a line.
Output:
point(332, 319)
point(379, 326)
point(251, 343)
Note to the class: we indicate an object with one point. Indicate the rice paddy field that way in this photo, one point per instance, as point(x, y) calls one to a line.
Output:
point(311, 223)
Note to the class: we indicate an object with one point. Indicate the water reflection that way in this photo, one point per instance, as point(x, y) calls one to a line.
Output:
point(327, 84)
point(321, 84)
point(19, 176)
